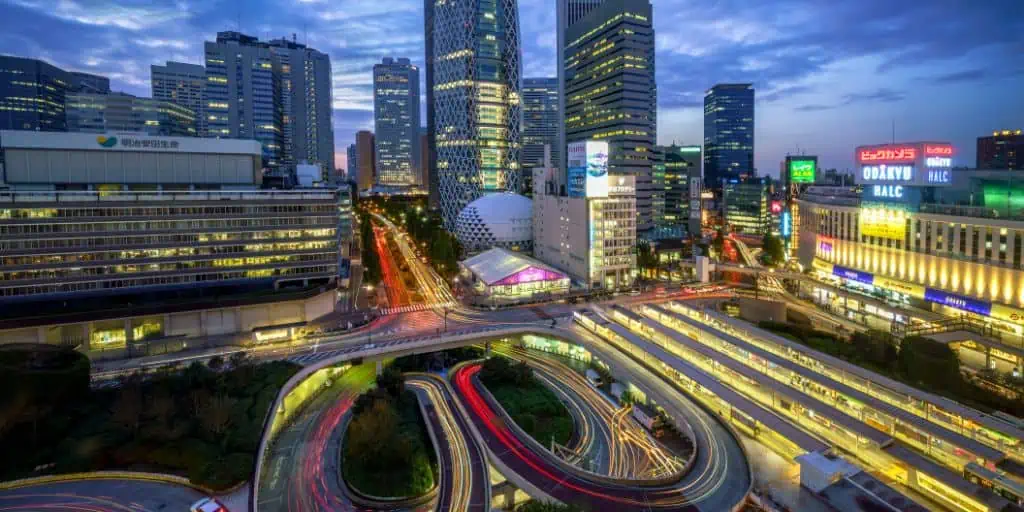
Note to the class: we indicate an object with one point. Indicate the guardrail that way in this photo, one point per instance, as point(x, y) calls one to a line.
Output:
point(110, 475)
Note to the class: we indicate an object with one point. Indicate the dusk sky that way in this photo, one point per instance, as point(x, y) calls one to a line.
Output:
point(829, 74)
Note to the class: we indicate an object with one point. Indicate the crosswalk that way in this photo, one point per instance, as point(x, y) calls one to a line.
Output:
point(415, 307)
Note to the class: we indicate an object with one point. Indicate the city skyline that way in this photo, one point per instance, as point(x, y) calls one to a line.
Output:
point(824, 85)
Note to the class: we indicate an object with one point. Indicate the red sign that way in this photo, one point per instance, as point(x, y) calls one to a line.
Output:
point(776, 206)
point(888, 154)
point(938, 150)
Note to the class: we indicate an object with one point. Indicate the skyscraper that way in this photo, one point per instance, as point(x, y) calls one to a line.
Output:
point(278, 93)
point(182, 84)
point(541, 120)
point(682, 163)
point(306, 101)
point(430, 164)
point(477, 114)
point(728, 133)
point(1003, 150)
point(610, 91)
point(567, 13)
point(396, 119)
point(365, 160)
point(352, 163)
point(32, 95)
point(243, 90)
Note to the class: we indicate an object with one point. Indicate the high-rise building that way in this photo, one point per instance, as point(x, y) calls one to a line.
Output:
point(352, 162)
point(276, 92)
point(32, 95)
point(728, 133)
point(396, 119)
point(477, 110)
point(103, 113)
point(430, 164)
point(1003, 150)
point(243, 93)
point(306, 124)
point(567, 13)
point(424, 159)
point(541, 120)
point(181, 84)
point(365, 160)
point(682, 165)
point(89, 83)
point(746, 205)
point(611, 93)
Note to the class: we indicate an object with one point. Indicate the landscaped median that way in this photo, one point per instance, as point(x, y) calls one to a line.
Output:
point(530, 404)
point(387, 453)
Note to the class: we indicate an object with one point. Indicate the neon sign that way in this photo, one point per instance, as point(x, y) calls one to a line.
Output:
point(776, 206)
point(889, 191)
point(853, 275)
point(888, 154)
point(938, 150)
point(938, 161)
point(888, 172)
point(940, 176)
point(958, 301)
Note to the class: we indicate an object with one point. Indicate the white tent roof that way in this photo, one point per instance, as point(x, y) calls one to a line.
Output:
point(496, 264)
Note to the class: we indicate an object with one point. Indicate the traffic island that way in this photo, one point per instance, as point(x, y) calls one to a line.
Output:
point(387, 453)
point(528, 402)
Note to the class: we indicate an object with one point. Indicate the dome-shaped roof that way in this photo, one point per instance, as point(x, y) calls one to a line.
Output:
point(496, 220)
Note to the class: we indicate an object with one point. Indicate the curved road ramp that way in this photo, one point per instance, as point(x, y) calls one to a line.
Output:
point(303, 432)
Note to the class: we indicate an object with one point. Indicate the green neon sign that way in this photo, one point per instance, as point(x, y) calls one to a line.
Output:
point(802, 171)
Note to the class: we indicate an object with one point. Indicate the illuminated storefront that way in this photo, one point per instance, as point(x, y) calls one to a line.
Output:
point(503, 274)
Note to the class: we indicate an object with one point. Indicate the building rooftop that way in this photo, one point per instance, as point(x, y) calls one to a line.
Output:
point(498, 264)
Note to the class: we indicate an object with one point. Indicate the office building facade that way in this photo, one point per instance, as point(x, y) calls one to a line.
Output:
point(477, 109)
point(103, 113)
point(611, 93)
point(72, 242)
point(306, 101)
point(728, 133)
point(593, 239)
point(243, 93)
point(567, 13)
point(541, 120)
point(1004, 149)
point(746, 205)
point(32, 94)
point(183, 85)
point(351, 163)
point(89, 83)
point(365, 160)
point(682, 165)
point(396, 119)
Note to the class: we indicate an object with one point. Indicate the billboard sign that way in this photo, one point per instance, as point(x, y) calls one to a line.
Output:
point(906, 164)
point(883, 223)
point(576, 167)
point(776, 207)
point(891, 153)
point(587, 169)
point(597, 168)
point(802, 171)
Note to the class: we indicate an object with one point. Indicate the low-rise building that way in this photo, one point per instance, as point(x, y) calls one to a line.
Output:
point(103, 237)
point(500, 274)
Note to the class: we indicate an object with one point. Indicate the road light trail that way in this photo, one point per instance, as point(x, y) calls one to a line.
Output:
point(465, 483)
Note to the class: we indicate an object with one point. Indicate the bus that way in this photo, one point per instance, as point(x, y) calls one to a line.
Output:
point(995, 481)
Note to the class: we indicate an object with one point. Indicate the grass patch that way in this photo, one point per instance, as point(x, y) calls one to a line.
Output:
point(197, 423)
point(387, 450)
point(529, 403)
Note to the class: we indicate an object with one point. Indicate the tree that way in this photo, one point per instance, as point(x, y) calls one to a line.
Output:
point(215, 414)
point(774, 250)
point(239, 359)
point(645, 257)
point(391, 381)
point(216, 363)
point(547, 506)
point(929, 362)
point(127, 410)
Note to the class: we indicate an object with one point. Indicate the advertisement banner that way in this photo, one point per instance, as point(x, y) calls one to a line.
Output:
point(802, 171)
point(576, 166)
point(958, 301)
point(853, 275)
point(597, 168)
point(910, 289)
point(883, 223)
